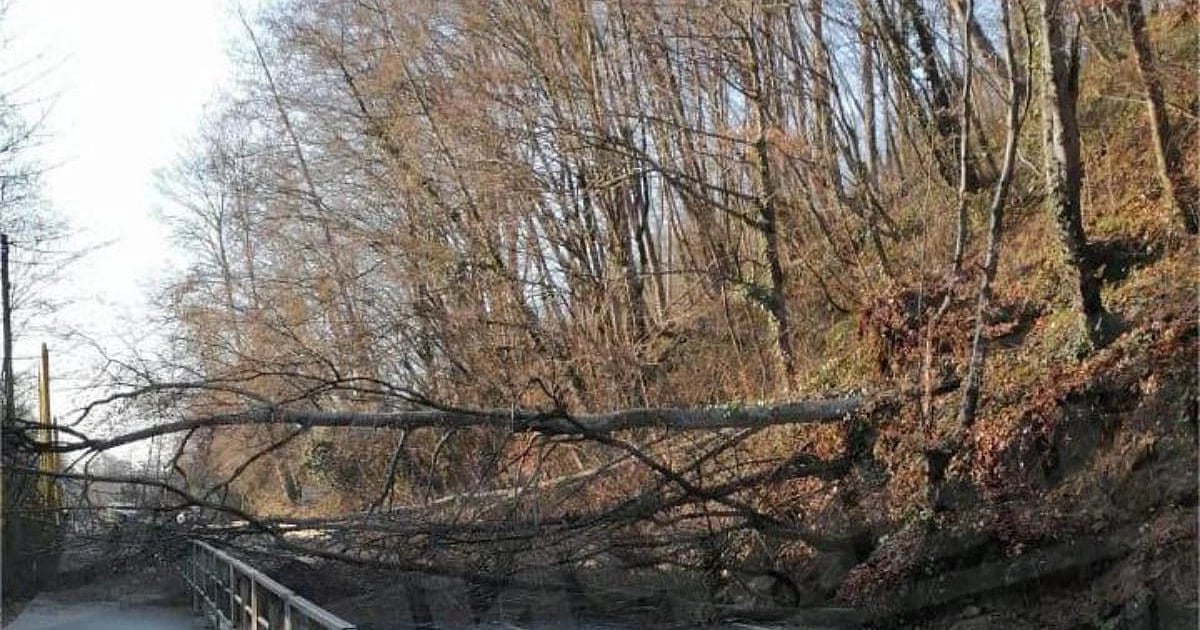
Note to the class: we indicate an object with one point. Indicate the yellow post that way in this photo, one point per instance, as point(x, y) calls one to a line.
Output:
point(47, 462)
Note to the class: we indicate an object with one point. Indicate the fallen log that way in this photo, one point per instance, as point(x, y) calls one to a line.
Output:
point(731, 416)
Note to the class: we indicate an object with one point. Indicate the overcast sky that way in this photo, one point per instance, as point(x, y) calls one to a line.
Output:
point(124, 84)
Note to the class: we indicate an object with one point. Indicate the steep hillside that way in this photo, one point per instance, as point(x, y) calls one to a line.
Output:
point(566, 210)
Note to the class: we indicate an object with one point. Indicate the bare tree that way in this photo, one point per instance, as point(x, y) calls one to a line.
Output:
point(1180, 192)
point(1016, 99)
point(494, 270)
point(1063, 167)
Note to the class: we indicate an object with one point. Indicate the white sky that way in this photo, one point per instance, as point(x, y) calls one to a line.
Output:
point(126, 83)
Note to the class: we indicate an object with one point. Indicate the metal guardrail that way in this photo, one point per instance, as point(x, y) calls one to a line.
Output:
point(237, 596)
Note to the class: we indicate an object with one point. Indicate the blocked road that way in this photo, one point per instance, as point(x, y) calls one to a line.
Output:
point(54, 613)
point(147, 599)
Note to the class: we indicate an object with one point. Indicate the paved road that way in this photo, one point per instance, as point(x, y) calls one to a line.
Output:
point(151, 599)
point(52, 613)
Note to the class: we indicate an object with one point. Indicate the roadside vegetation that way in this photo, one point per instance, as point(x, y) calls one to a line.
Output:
point(925, 273)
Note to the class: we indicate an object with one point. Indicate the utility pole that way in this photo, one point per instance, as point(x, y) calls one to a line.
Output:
point(10, 405)
point(44, 392)
point(48, 461)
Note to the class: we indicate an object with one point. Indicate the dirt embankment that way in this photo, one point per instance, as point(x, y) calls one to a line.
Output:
point(1072, 505)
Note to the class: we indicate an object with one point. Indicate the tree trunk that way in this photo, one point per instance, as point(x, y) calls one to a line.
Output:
point(1180, 193)
point(964, 144)
point(868, 88)
point(768, 215)
point(944, 121)
point(817, 411)
point(978, 38)
point(1063, 167)
point(1016, 93)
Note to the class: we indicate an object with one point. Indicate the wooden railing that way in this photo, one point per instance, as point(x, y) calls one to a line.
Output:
point(236, 596)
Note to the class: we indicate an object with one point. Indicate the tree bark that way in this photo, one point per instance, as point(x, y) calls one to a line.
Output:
point(515, 421)
point(1063, 166)
point(766, 197)
point(946, 125)
point(1181, 194)
point(964, 145)
point(1016, 93)
point(978, 38)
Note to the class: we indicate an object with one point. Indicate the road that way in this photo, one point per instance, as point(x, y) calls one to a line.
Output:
point(52, 613)
point(146, 601)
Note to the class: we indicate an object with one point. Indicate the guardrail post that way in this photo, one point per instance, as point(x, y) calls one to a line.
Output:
point(210, 580)
point(253, 604)
point(232, 596)
point(243, 601)
point(195, 570)
point(272, 612)
point(208, 587)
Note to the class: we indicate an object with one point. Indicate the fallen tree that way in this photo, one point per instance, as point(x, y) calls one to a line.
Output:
point(556, 422)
